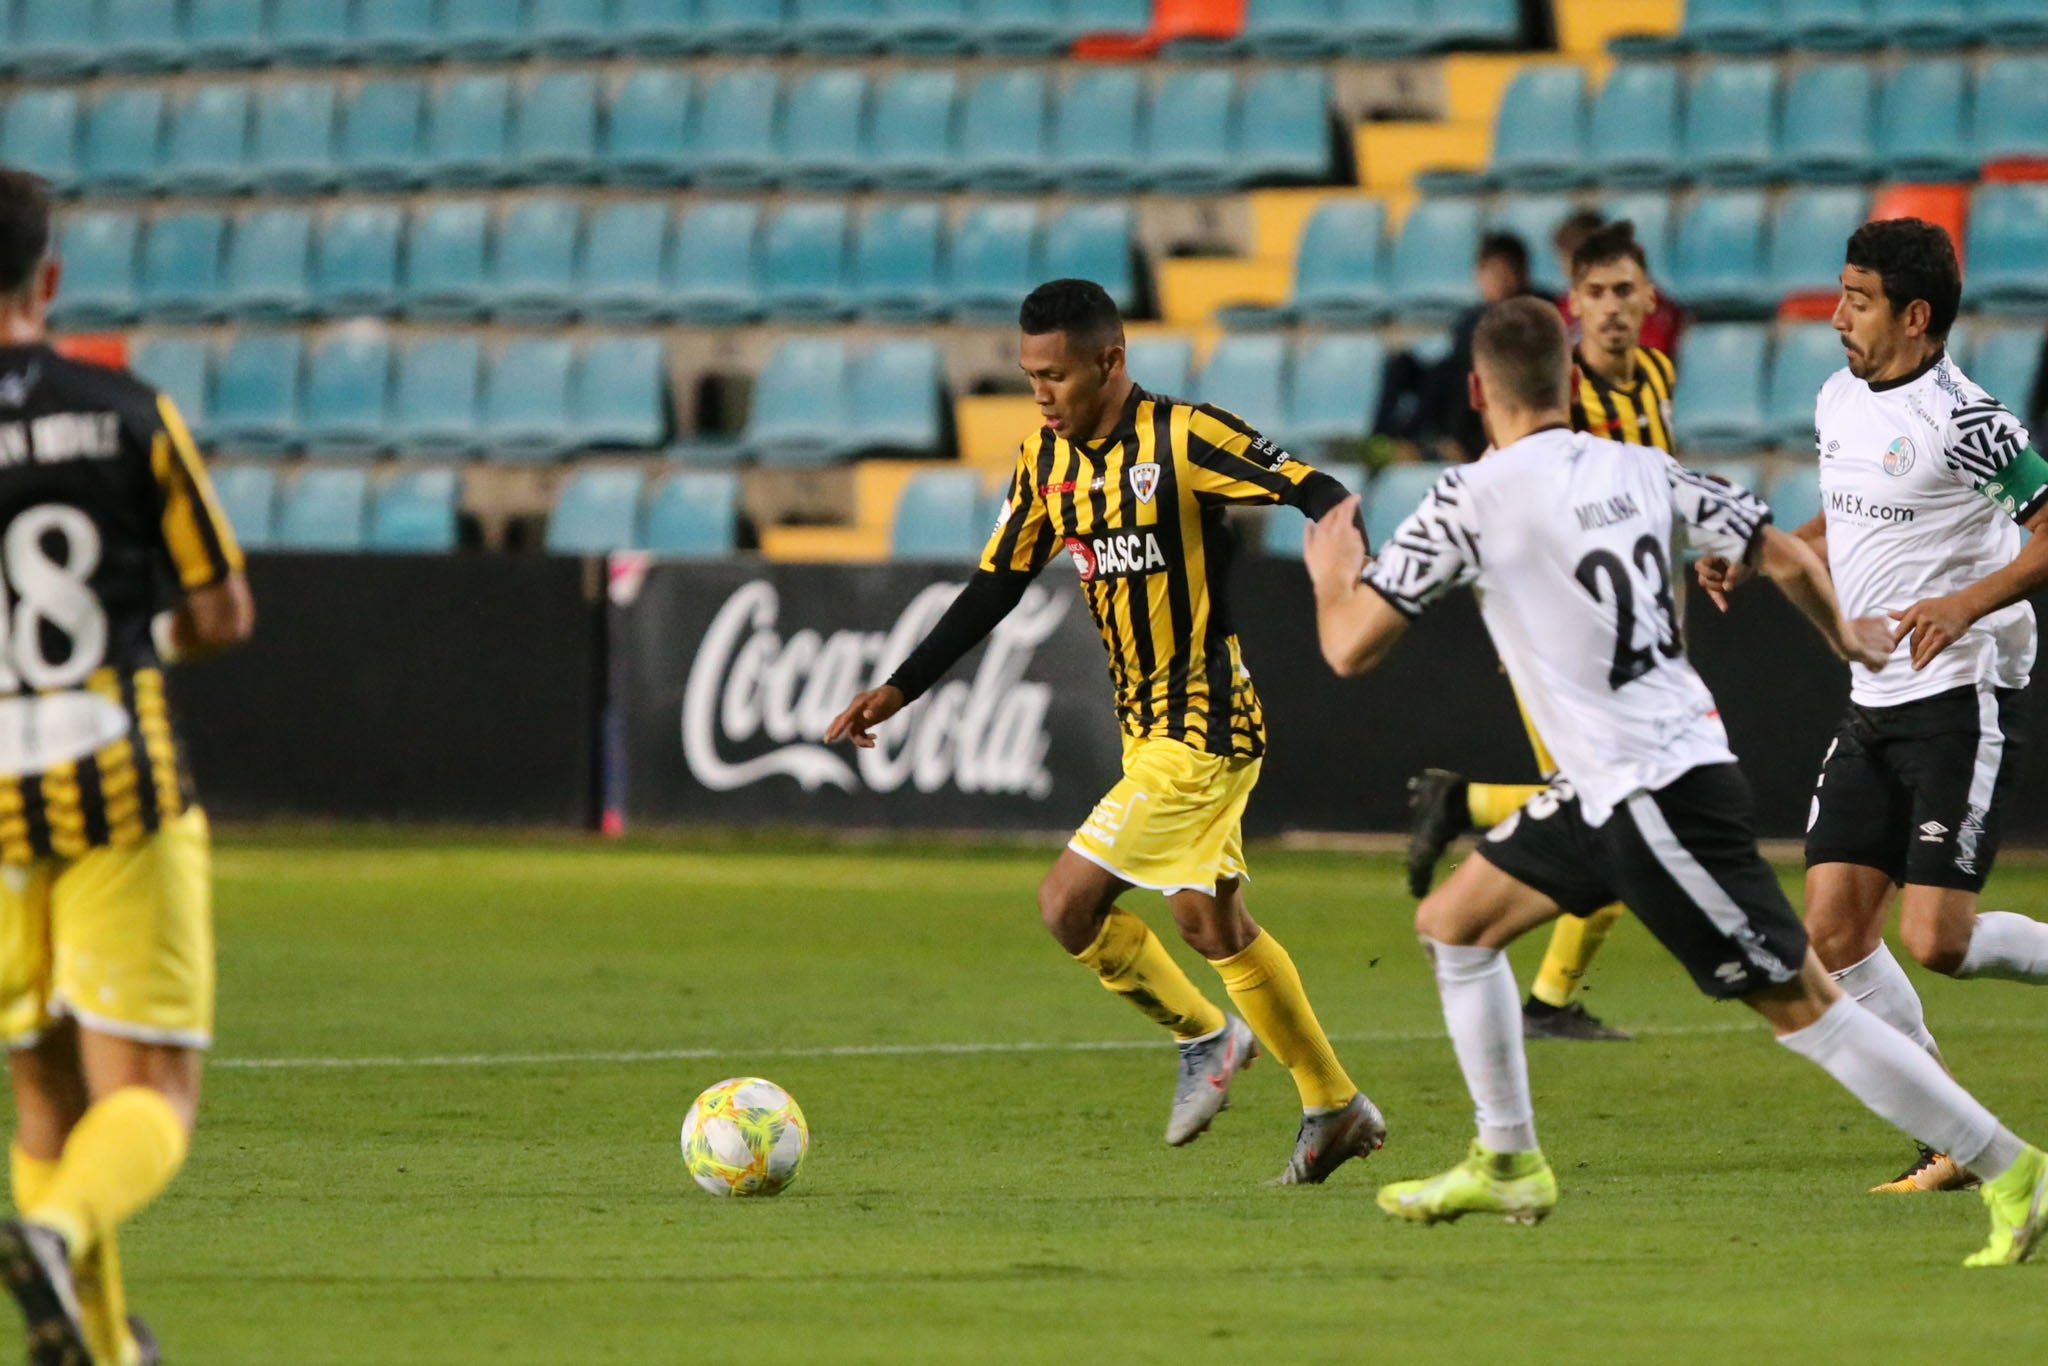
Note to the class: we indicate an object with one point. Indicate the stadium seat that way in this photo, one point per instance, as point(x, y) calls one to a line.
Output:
point(1731, 120)
point(991, 262)
point(1383, 28)
point(910, 145)
point(579, 29)
point(895, 399)
point(1334, 394)
point(292, 150)
point(1339, 270)
point(324, 509)
point(824, 120)
point(1161, 364)
point(256, 394)
point(446, 262)
point(618, 396)
point(939, 517)
point(896, 275)
point(348, 395)
point(1290, 30)
point(1247, 375)
point(1720, 405)
point(311, 32)
point(98, 285)
point(1922, 124)
point(1828, 25)
point(1807, 354)
point(741, 25)
point(226, 33)
point(736, 147)
point(554, 134)
point(181, 267)
point(357, 267)
point(835, 27)
point(1093, 242)
point(248, 495)
point(1004, 130)
point(1794, 494)
point(397, 32)
point(693, 513)
point(140, 35)
point(1826, 134)
point(434, 400)
point(2011, 118)
point(381, 135)
point(206, 150)
point(1632, 135)
point(2007, 363)
point(624, 275)
point(1809, 232)
point(41, 135)
point(533, 275)
point(2008, 249)
point(414, 512)
point(269, 274)
point(485, 30)
point(1396, 491)
point(182, 367)
point(55, 39)
point(927, 28)
point(1095, 145)
point(1024, 28)
point(1650, 211)
point(1474, 24)
point(1430, 275)
point(803, 265)
point(798, 416)
point(1539, 140)
point(1283, 135)
point(649, 137)
point(596, 512)
point(1731, 26)
point(1534, 219)
point(1190, 132)
point(714, 271)
point(526, 400)
point(2009, 23)
point(1719, 265)
point(469, 132)
point(663, 28)
point(123, 135)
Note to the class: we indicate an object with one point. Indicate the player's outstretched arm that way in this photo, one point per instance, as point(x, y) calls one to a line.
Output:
point(1355, 625)
point(1789, 562)
point(1937, 623)
point(989, 596)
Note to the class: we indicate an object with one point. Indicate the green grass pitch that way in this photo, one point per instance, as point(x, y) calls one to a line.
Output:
point(522, 1201)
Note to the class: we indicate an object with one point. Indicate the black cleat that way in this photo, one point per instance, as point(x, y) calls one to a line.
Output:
point(145, 1343)
point(1541, 1020)
point(1436, 816)
point(37, 1266)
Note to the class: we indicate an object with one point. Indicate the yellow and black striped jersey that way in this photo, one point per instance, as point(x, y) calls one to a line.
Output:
point(1640, 415)
point(106, 517)
point(1140, 513)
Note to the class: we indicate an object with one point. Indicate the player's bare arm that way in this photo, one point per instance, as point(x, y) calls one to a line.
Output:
point(1937, 623)
point(1357, 627)
point(870, 709)
point(210, 621)
point(1802, 576)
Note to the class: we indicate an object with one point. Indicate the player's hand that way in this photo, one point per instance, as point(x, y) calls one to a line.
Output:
point(1934, 624)
point(1333, 548)
point(1721, 576)
point(863, 714)
point(1868, 641)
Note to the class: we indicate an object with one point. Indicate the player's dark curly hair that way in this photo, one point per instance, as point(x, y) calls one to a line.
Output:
point(1504, 246)
point(1080, 308)
point(1607, 243)
point(24, 227)
point(1916, 260)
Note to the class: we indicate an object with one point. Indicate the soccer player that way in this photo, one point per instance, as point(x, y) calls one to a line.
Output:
point(1926, 482)
point(1624, 394)
point(1565, 537)
point(1132, 485)
point(106, 935)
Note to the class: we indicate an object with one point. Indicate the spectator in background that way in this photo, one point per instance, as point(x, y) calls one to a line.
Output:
point(1425, 402)
point(1666, 321)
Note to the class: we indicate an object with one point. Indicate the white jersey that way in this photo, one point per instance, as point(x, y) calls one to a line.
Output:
point(1909, 473)
point(1565, 537)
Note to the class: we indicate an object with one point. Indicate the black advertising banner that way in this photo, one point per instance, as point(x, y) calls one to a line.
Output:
point(725, 675)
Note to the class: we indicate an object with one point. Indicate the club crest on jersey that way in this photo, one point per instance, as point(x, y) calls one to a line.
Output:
point(1898, 457)
point(1144, 478)
point(1115, 555)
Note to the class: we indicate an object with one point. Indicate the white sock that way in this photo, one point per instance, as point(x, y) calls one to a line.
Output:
point(1901, 1084)
point(1483, 1011)
point(2008, 946)
point(1881, 986)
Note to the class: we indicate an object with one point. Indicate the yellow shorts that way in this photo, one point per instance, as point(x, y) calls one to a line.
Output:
point(120, 939)
point(1174, 823)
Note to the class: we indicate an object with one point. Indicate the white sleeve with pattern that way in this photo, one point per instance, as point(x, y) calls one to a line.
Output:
point(1981, 441)
point(1433, 551)
point(1723, 519)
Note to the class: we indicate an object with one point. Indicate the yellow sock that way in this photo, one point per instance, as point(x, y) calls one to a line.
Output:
point(123, 1153)
point(1573, 942)
point(1488, 804)
point(1268, 992)
point(102, 1300)
point(1130, 961)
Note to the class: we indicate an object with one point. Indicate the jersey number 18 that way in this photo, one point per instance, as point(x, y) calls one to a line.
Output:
point(44, 594)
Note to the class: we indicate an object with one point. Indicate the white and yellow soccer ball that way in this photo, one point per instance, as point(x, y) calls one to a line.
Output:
point(745, 1136)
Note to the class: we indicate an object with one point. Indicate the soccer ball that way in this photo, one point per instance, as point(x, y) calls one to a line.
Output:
point(745, 1136)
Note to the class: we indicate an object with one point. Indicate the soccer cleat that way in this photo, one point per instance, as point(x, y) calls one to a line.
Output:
point(1328, 1140)
point(147, 1350)
point(1541, 1020)
point(2018, 1202)
point(1206, 1067)
point(1931, 1171)
point(37, 1265)
point(1436, 816)
point(1520, 1187)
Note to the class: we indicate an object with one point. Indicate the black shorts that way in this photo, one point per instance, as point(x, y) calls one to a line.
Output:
point(1915, 789)
point(1683, 858)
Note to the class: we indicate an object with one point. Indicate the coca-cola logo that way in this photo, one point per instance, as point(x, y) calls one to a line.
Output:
point(749, 683)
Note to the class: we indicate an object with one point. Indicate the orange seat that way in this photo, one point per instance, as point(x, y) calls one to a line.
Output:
point(97, 348)
point(2015, 169)
point(1946, 205)
point(1213, 20)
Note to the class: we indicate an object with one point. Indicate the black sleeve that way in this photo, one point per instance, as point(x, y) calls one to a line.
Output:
point(1317, 494)
point(988, 597)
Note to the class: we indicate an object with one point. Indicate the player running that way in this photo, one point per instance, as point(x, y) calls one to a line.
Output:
point(1133, 486)
point(106, 921)
point(1565, 536)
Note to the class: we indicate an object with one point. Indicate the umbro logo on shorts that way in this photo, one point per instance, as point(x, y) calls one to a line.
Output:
point(1933, 832)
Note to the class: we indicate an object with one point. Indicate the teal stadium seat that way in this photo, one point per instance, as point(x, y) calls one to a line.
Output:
point(736, 122)
point(743, 26)
point(1291, 30)
point(695, 512)
point(1161, 365)
point(526, 401)
point(123, 139)
point(1396, 491)
point(1430, 275)
point(835, 27)
point(2007, 363)
point(434, 401)
point(894, 404)
point(1731, 123)
point(1923, 121)
point(803, 265)
point(1340, 269)
point(183, 368)
point(348, 395)
point(2013, 23)
point(414, 512)
point(141, 35)
point(226, 33)
point(1632, 135)
point(1383, 28)
point(2008, 249)
point(910, 141)
point(269, 272)
point(1650, 211)
point(206, 151)
point(356, 270)
point(896, 275)
point(824, 122)
point(1095, 139)
point(1247, 375)
point(381, 135)
point(618, 395)
point(580, 29)
point(1720, 405)
point(1334, 392)
point(98, 288)
point(1535, 218)
point(469, 132)
point(1539, 140)
point(555, 132)
point(650, 136)
point(292, 150)
point(1281, 533)
point(56, 39)
point(1807, 354)
point(256, 394)
point(1283, 131)
point(397, 32)
point(1005, 130)
point(1474, 24)
point(596, 511)
point(1809, 233)
point(248, 495)
point(1191, 132)
point(2011, 108)
point(662, 28)
point(41, 135)
point(1829, 115)
point(926, 28)
point(992, 262)
point(1024, 28)
point(1731, 26)
point(1719, 266)
point(533, 276)
point(939, 517)
point(312, 32)
point(1828, 25)
point(1093, 242)
point(446, 262)
point(324, 509)
point(485, 30)
point(798, 415)
point(181, 267)
point(714, 272)
point(1794, 494)
point(624, 273)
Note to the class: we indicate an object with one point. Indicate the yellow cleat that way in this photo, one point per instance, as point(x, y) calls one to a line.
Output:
point(1931, 1171)
point(1520, 1187)
point(2018, 1202)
